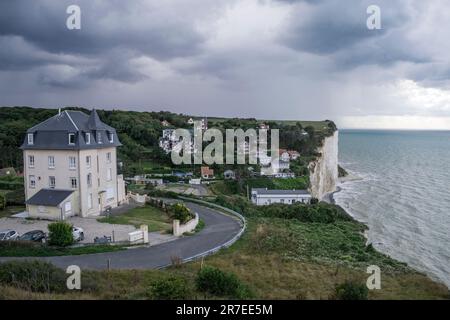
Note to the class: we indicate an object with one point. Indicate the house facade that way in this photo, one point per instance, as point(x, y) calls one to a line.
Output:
point(70, 167)
point(263, 196)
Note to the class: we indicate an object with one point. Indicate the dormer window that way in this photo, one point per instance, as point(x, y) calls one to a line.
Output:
point(111, 137)
point(30, 139)
point(88, 138)
point(99, 137)
point(71, 138)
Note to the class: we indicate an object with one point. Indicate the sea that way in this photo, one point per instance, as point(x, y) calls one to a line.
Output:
point(399, 185)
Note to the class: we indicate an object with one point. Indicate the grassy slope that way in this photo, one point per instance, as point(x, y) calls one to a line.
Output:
point(17, 249)
point(156, 219)
point(294, 261)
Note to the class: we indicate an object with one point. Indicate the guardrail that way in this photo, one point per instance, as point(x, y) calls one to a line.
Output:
point(224, 245)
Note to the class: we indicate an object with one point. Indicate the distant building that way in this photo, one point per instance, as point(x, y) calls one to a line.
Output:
point(206, 172)
point(195, 181)
point(70, 167)
point(165, 123)
point(8, 172)
point(229, 174)
point(264, 126)
point(144, 180)
point(263, 196)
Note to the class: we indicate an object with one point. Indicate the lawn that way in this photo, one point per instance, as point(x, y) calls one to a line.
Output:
point(30, 249)
point(156, 219)
point(10, 210)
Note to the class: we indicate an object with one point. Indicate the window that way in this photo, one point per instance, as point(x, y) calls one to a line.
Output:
point(108, 175)
point(51, 182)
point(31, 161)
point(32, 182)
point(282, 200)
point(99, 137)
point(72, 163)
point(67, 207)
point(89, 180)
point(89, 201)
point(73, 183)
point(110, 193)
point(88, 138)
point(51, 161)
point(111, 137)
point(108, 157)
point(88, 161)
point(71, 138)
point(30, 138)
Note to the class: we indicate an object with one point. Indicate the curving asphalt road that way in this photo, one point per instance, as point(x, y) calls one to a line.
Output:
point(219, 228)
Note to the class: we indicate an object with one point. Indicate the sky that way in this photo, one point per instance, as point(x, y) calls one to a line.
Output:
point(266, 59)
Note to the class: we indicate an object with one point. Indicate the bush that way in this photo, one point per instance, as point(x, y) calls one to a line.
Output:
point(60, 234)
point(2, 201)
point(16, 197)
point(217, 282)
point(180, 212)
point(173, 288)
point(35, 276)
point(351, 290)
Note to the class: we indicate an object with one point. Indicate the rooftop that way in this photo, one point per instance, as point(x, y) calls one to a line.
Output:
point(277, 191)
point(49, 197)
point(53, 133)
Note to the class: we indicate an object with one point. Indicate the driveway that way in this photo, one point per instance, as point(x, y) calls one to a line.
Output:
point(219, 228)
point(92, 228)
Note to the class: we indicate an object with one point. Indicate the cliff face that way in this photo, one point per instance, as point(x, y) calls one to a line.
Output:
point(323, 172)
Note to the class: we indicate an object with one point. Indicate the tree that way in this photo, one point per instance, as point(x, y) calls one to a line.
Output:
point(2, 201)
point(60, 234)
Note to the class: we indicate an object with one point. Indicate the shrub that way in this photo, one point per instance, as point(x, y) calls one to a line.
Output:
point(173, 288)
point(36, 276)
point(351, 290)
point(217, 282)
point(16, 197)
point(181, 212)
point(2, 201)
point(60, 234)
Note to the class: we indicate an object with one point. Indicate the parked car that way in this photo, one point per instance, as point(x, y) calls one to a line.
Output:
point(78, 234)
point(8, 235)
point(35, 236)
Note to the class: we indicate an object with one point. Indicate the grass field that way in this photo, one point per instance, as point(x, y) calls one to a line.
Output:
point(156, 219)
point(277, 259)
point(22, 249)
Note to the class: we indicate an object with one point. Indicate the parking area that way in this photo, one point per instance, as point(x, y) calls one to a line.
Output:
point(92, 228)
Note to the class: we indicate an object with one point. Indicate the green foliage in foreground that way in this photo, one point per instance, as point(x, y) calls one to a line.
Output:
point(352, 291)
point(220, 283)
point(172, 288)
point(60, 234)
point(36, 276)
point(31, 249)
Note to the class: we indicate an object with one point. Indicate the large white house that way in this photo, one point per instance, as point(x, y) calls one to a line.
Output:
point(70, 167)
point(263, 196)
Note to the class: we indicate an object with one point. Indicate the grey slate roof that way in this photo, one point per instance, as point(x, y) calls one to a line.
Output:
point(53, 133)
point(49, 197)
point(274, 191)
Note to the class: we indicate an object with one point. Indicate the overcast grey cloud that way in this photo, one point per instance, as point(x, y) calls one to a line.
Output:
point(276, 59)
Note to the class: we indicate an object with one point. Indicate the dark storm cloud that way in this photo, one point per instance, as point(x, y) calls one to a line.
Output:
point(253, 58)
point(339, 29)
point(105, 25)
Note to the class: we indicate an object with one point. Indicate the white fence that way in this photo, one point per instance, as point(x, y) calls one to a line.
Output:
point(179, 229)
point(139, 198)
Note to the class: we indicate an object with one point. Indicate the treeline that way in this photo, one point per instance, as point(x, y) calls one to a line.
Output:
point(139, 132)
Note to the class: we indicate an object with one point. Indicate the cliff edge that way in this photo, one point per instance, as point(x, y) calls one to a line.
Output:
point(323, 172)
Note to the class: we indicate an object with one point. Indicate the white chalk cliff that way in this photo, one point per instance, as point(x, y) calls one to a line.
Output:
point(323, 172)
